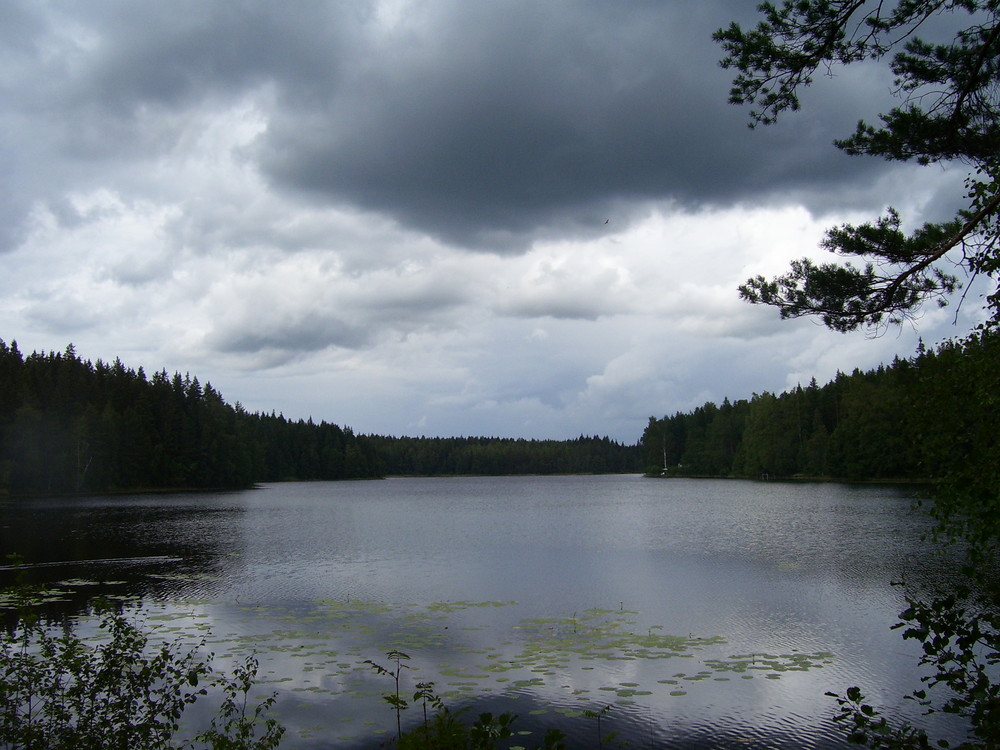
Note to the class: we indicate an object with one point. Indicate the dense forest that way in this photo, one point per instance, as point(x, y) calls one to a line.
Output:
point(69, 425)
point(907, 420)
point(501, 456)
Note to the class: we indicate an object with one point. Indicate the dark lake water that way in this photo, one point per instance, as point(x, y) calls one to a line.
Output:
point(706, 613)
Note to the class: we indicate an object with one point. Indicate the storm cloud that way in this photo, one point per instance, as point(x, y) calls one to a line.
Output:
point(429, 216)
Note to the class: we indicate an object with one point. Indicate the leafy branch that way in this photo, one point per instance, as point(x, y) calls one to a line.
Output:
point(950, 112)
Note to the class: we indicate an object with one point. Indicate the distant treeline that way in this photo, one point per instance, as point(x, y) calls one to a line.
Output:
point(500, 456)
point(908, 420)
point(68, 425)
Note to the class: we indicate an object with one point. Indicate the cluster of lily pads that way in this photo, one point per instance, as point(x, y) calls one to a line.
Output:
point(322, 650)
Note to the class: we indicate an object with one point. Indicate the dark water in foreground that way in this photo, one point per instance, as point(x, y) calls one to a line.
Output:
point(706, 613)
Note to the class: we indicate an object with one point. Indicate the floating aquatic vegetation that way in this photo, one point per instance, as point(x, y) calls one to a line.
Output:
point(81, 582)
point(449, 607)
point(12, 600)
point(316, 654)
point(597, 634)
point(796, 661)
point(546, 653)
point(57, 591)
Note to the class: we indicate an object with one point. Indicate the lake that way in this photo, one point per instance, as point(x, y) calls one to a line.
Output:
point(706, 614)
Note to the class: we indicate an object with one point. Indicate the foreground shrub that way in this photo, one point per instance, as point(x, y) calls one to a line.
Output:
point(119, 692)
point(443, 729)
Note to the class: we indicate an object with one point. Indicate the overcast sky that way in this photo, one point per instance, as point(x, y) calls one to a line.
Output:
point(428, 217)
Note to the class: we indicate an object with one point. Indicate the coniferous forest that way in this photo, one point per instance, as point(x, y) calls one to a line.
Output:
point(408, 456)
point(912, 419)
point(68, 425)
